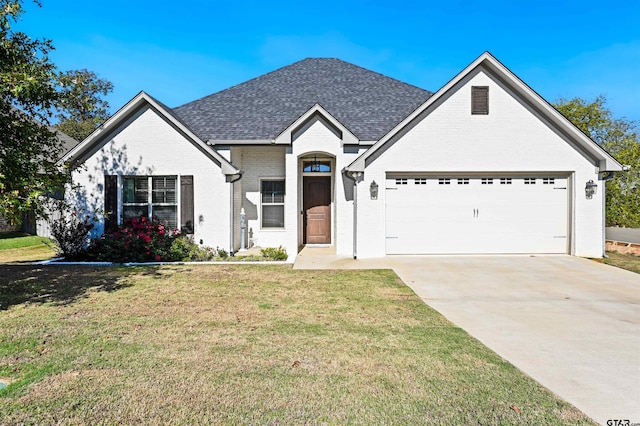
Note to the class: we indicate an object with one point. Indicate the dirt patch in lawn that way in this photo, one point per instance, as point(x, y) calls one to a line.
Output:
point(629, 262)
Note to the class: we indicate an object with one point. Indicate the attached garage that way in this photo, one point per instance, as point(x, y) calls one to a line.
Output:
point(484, 166)
point(457, 214)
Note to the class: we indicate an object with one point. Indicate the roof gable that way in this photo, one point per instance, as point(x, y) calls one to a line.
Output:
point(605, 161)
point(141, 100)
point(367, 103)
point(291, 133)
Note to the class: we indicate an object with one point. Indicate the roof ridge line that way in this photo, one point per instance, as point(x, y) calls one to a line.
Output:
point(262, 76)
point(242, 83)
point(262, 107)
point(383, 75)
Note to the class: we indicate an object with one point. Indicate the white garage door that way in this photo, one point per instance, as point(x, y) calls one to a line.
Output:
point(474, 215)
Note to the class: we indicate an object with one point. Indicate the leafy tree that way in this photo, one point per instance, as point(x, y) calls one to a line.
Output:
point(81, 109)
point(31, 89)
point(620, 138)
point(28, 148)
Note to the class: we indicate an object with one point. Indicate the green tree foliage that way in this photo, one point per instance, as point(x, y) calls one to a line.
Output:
point(620, 138)
point(28, 149)
point(81, 109)
point(31, 89)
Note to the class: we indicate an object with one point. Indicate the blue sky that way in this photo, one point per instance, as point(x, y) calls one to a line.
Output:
point(181, 51)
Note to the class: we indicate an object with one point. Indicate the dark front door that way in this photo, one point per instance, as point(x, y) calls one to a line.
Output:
point(317, 209)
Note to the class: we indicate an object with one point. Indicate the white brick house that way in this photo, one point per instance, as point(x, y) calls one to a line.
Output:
point(326, 153)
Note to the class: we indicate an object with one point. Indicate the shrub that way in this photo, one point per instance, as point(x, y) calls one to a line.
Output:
point(70, 233)
point(183, 248)
point(136, 240)
point(143, 240)
point(222, 253)
point(200, 254)
point(180, 247)
point(273, 253)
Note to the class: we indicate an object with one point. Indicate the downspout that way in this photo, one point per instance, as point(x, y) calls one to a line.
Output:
point(231, 180)
point(355, 218)
point(354, 176)
point(604, 180)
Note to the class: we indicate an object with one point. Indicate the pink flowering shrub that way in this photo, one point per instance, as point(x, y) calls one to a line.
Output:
point(137, 240)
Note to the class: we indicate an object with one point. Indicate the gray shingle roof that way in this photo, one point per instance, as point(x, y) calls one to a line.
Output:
point(67, 141)
point(369, 104)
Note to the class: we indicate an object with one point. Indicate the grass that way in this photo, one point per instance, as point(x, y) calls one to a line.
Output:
point(18, 247)
point(230, 344)
point(624, 261)
point(14, 240)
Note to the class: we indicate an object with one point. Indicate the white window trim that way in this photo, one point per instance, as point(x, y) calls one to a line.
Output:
point(121, 203)
point(283, 204)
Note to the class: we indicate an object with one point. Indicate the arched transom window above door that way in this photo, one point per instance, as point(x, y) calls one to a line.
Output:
point(316, 166)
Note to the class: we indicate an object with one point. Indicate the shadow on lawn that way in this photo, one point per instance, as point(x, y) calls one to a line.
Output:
point(12, 234)
point(60, 284)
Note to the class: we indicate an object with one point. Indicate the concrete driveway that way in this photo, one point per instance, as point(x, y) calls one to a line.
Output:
point(570, 323)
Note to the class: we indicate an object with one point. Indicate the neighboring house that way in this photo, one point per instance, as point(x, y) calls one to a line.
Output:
point(30, 224)
point(323, 152)
point(6, 226)
point(39, 226)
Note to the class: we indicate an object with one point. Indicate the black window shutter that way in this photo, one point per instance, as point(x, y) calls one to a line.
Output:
point(111, 201)
point(186, 204)
point(480, 100)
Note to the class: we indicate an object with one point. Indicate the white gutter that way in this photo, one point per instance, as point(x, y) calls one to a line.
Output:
point(604, 179)
point(355, 219)
point(355, 176)
point(232, 215)
point(225, 142)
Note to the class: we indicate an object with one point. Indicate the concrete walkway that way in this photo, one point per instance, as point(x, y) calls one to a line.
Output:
point(570, 323)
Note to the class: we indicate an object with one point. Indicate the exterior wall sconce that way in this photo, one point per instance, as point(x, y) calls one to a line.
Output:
point(590, 189)
point(373, 188)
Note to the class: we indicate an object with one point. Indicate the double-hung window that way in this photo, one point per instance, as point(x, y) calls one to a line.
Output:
point(151, 196)
point(272, 193)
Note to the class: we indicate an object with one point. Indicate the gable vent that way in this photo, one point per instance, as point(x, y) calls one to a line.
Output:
point(480, 100)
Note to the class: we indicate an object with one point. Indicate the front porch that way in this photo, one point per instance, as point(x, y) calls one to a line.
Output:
point(295, 196)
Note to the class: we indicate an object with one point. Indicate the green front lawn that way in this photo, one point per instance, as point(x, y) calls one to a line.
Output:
point(14, 240)
point(230, 344)
point(18, 247)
